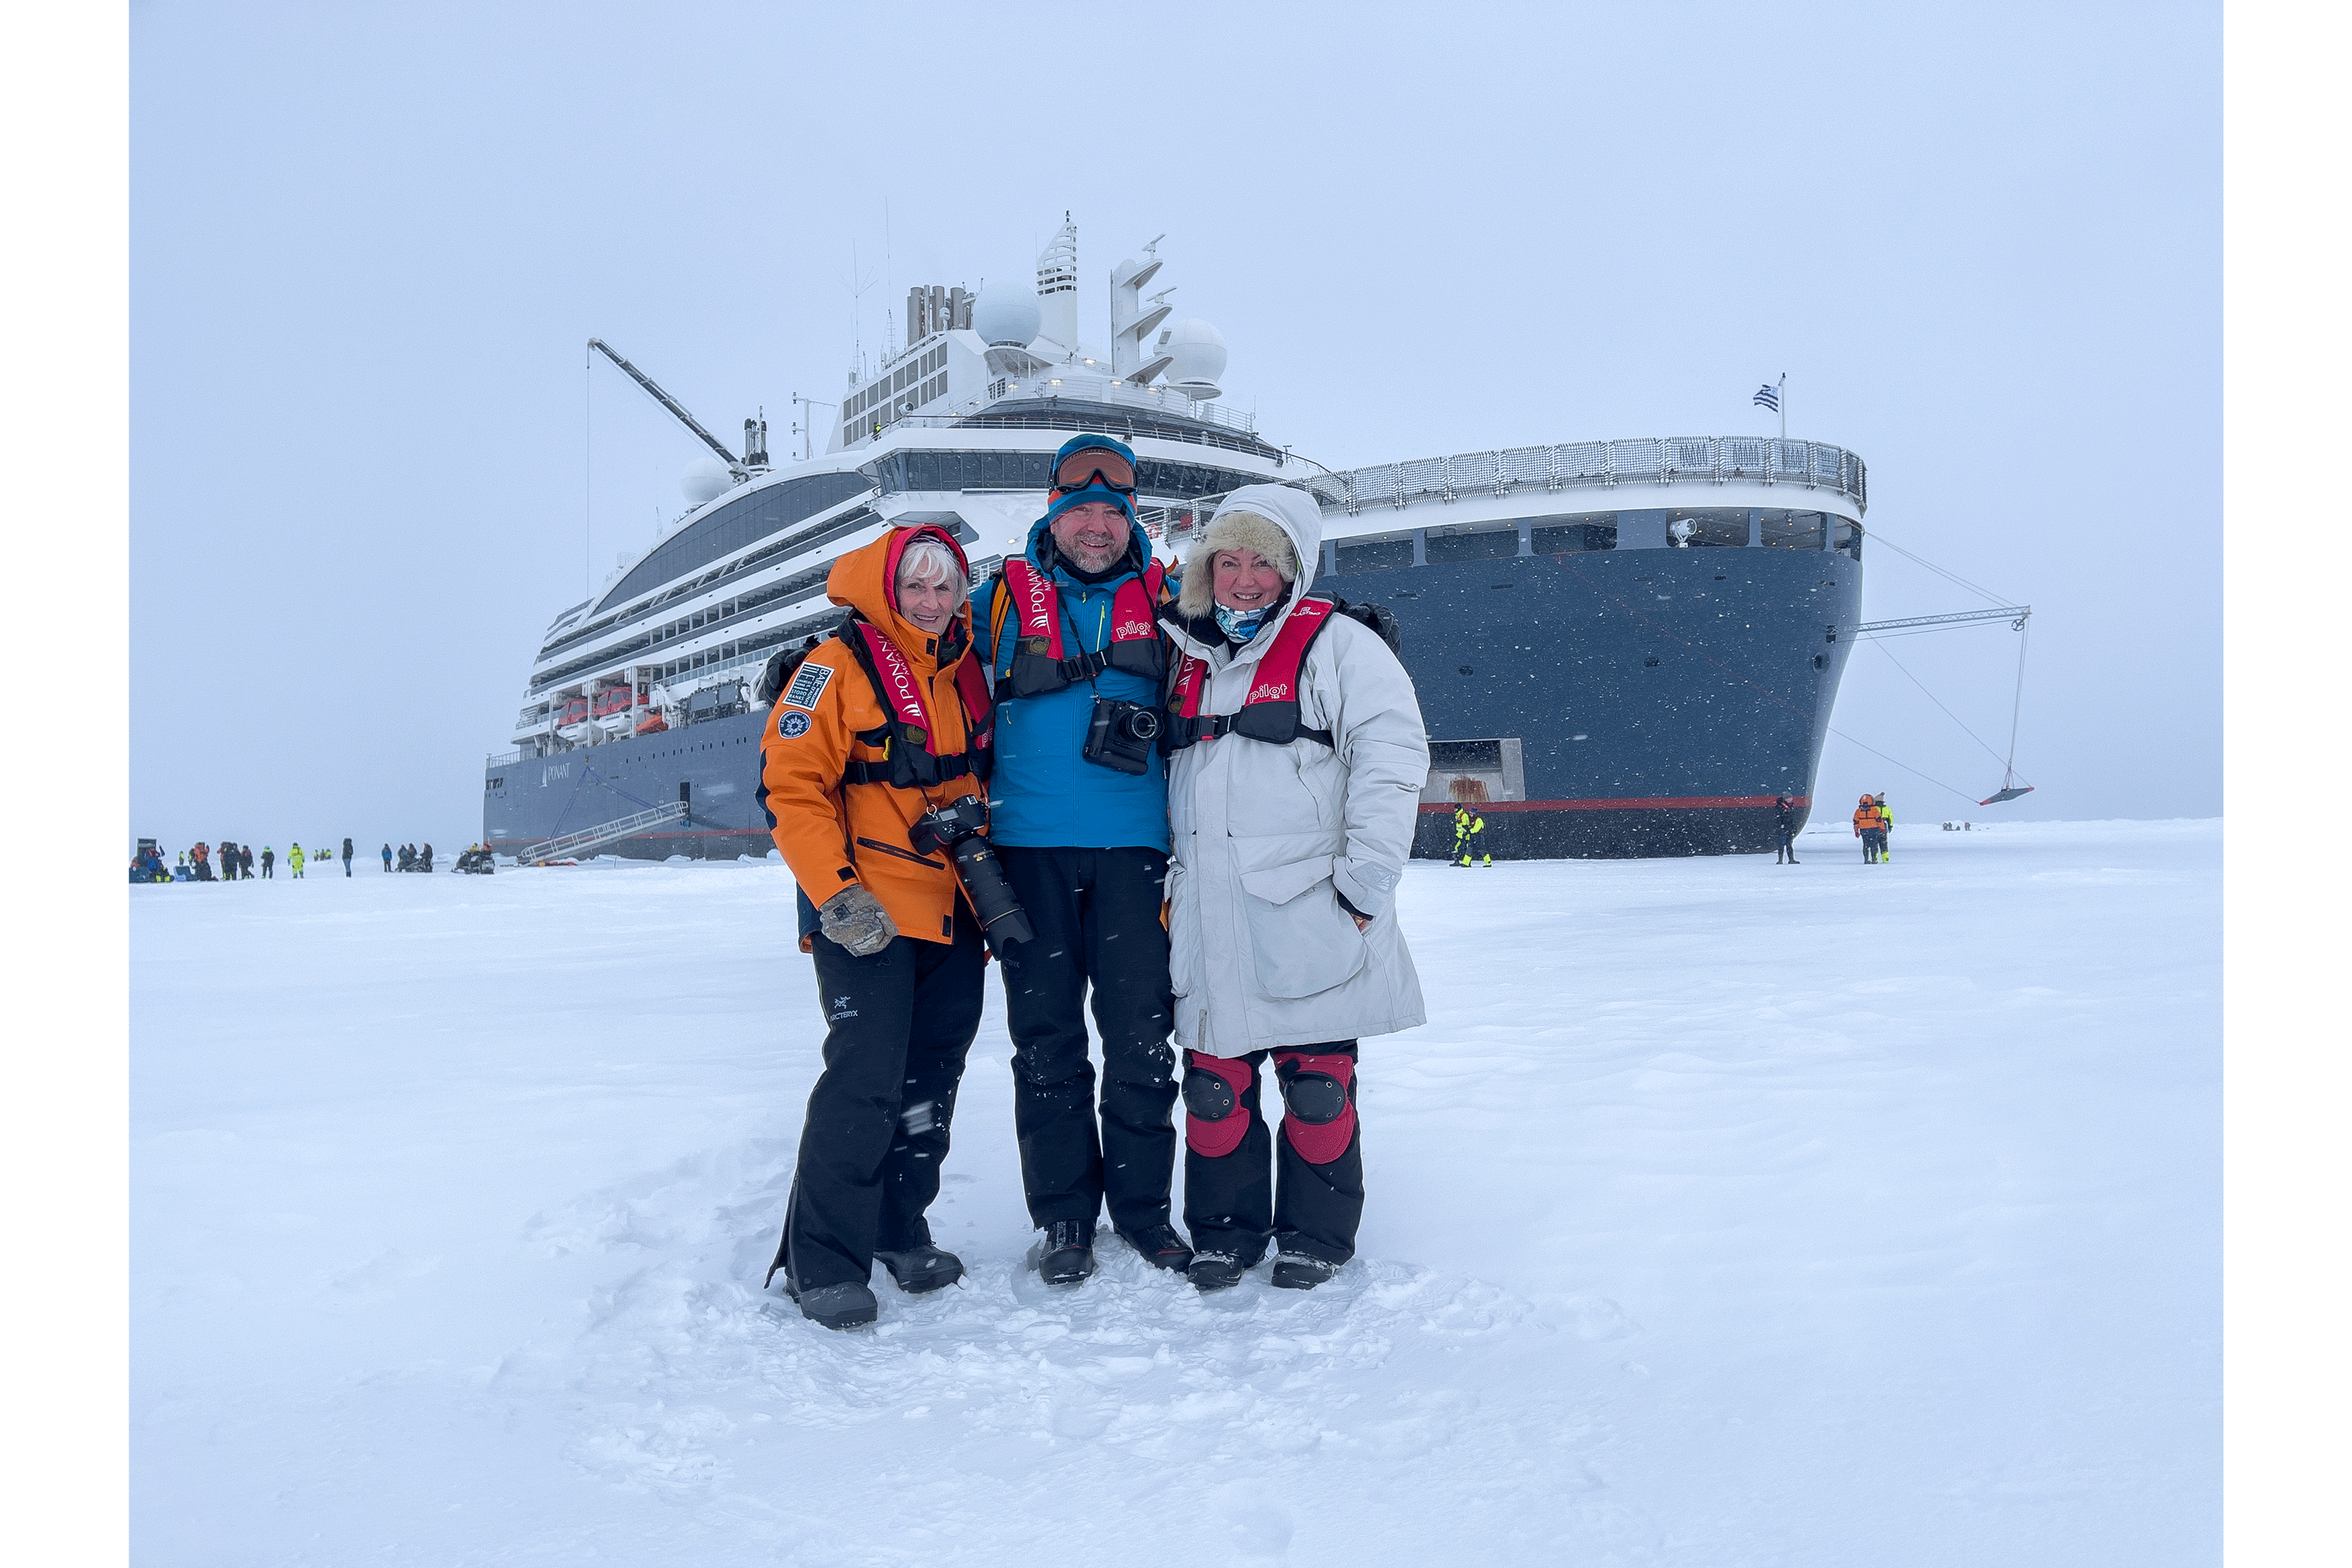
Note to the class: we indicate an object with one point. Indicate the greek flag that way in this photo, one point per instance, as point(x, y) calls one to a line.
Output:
point(1767, 396)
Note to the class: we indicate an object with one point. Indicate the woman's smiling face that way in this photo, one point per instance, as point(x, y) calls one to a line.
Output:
point(1243, 580)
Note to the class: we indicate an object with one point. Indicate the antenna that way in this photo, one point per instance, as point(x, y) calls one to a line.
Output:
point(856, 310)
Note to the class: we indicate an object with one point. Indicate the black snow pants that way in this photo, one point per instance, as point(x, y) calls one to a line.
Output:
point(1313, 1200)
point(901, 1022)
point(1096, 913)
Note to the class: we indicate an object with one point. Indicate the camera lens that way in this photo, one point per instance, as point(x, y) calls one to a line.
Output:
point(1143, 725)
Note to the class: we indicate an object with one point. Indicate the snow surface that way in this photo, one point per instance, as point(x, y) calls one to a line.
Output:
point(1723, 1214)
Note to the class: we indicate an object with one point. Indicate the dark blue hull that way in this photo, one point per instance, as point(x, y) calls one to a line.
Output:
point(1659, 700)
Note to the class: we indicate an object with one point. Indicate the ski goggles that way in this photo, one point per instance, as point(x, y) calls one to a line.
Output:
point(1113, 470)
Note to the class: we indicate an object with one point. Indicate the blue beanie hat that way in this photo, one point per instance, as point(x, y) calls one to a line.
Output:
point(1088, 493)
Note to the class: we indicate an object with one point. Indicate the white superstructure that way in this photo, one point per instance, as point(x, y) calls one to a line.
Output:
point(958, 427)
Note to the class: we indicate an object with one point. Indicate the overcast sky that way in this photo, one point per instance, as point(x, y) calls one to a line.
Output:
point(367, 247)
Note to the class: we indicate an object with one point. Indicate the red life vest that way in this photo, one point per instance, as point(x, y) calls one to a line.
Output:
point(1038, 667)
point(905, 736)
point(1270, 711)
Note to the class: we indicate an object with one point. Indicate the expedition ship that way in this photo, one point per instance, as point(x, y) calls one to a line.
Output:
point(1622, 647)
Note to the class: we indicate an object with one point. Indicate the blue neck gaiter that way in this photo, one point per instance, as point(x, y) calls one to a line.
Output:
point(1239, 627)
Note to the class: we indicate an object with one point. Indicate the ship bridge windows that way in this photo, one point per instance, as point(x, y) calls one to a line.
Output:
point(1849, 538)
point(1374, 556)
point(1777, 529)
point(738, 523)
point(1572, 534)
point(1482, 541)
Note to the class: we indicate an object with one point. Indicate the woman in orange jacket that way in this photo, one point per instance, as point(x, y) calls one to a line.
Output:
point(884, 723)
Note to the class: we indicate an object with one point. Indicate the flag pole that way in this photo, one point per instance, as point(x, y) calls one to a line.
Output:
point(1783, 401)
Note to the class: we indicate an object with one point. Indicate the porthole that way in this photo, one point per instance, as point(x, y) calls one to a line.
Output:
point(1820, 661)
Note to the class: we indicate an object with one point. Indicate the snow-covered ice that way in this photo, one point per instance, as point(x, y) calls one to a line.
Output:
point(1723, 1213)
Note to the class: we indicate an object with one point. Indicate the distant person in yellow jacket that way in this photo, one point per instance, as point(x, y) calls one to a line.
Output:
point(1468, 825)
point(294, 860)
point(1885, 828)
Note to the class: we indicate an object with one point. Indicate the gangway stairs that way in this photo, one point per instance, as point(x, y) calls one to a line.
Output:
point(588, 838)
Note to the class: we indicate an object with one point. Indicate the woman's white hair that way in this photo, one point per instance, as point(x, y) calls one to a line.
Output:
point(928, 560)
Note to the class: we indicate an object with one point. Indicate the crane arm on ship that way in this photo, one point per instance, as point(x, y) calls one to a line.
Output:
point(2016, 615)
point(677, 410)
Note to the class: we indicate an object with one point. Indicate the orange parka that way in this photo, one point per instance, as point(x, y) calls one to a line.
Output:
point(835, 835)
point(1865, 817)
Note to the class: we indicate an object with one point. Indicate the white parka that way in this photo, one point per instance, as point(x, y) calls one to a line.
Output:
point(1267, 838)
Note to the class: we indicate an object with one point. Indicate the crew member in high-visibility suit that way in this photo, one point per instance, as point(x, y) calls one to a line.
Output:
point(1467, 825)
point(1865, 827)
point(900, 955)
point(1885, 828)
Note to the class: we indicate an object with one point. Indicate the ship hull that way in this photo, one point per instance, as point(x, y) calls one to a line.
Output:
point(1655, 702)
point(1660, 699)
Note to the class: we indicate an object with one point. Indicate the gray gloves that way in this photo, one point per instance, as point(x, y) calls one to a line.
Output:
point(857, 920)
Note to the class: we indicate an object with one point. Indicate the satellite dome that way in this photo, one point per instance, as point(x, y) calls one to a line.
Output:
point(706, 479)
point(1196, 354)
point(1005, 313)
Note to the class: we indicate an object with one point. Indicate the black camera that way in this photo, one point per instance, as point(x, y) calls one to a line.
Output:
point(960, 832)
point(1122, 735)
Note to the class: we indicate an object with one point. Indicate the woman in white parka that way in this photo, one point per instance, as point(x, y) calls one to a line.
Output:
point(1298, 760)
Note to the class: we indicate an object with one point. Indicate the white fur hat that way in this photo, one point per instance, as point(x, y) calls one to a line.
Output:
point(1234, 531)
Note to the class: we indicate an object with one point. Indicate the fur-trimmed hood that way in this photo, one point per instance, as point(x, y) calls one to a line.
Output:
point(1275, 521)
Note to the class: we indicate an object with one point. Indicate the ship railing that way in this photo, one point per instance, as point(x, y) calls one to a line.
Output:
point(1081, 390)
point(1597, 465)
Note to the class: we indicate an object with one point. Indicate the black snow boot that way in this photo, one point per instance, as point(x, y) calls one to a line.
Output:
point(1069, 1252)
point(1161, 1246)
point(1215, 1271)
point(1296, 1271)
point(921, 1268)
point(846, 1306)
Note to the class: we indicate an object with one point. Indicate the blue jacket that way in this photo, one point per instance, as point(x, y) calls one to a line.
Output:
point(1043, 794)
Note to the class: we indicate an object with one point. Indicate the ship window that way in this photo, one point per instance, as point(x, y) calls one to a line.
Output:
point(1567, 539)
point(1713, 526)
point(1495, 545)
point(738, 523)
point(1782, 529)
point(1849, 538)
point(1380, 555)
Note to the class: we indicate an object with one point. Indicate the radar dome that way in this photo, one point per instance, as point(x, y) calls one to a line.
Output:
point(1196, 356)
point(1005, 313)
point(706, 480)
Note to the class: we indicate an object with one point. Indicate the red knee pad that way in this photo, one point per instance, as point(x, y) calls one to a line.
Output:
point(1215, 1119)
point(1318, 1103)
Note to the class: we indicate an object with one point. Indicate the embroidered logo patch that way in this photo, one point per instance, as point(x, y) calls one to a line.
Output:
point(808, 685)
point(792, 726)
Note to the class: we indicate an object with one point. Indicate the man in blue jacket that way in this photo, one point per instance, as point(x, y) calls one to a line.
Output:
point(1078, 815)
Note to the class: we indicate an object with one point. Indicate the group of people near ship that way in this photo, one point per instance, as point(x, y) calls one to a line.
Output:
point(1186, 803)
point(230, 862)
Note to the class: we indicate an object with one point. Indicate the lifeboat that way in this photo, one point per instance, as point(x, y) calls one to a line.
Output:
point(653, 724)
